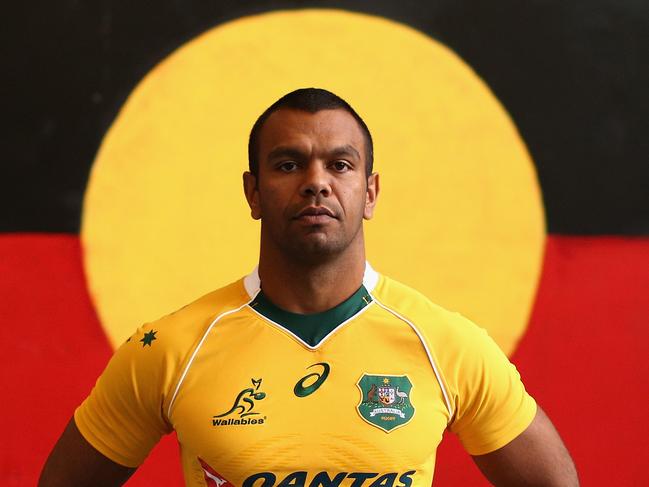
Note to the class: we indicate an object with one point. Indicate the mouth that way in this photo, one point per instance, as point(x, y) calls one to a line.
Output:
point(315, 215)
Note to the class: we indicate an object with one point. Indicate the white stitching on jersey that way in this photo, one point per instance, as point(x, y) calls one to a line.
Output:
point(324, 339)
point(189, 364)
point(430, 357)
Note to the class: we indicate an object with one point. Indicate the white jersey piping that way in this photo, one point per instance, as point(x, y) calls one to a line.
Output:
point(200, 344)
point(430, 357)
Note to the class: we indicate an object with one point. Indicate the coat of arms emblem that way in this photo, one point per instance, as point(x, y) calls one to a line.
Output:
point(385, 400)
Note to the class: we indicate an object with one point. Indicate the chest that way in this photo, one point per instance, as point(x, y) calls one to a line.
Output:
point(256, 401)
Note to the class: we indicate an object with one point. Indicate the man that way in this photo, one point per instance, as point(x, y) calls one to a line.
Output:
point(314, 370)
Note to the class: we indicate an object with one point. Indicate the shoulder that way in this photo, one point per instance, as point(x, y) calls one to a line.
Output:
point(435, 322)
point(206, 308)
point(461, 349)
point(149, 362)
point(137, 386)
point(180, 329)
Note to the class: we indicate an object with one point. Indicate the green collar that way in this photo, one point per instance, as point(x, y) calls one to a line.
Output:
point(312, 328)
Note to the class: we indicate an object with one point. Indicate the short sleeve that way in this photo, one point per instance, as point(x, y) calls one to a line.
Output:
point(123, 415)
point(492, 405)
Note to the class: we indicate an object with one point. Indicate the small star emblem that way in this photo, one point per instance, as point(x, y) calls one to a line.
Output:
point(148, 338)
point(386, 380)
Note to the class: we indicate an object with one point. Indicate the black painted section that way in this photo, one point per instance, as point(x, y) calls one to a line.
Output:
point(574, 76)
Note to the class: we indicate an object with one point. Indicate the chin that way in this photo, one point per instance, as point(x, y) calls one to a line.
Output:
point(317, 249)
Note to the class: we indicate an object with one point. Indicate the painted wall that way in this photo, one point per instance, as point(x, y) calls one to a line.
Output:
point(526, 121)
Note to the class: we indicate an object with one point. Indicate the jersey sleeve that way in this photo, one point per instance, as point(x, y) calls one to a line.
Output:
point(123, 416)
point(492, 405)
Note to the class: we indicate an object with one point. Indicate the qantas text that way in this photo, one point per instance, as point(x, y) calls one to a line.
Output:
point(324, 479)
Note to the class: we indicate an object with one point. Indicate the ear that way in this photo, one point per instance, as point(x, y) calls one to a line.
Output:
point(251, 191)
point(371, 195)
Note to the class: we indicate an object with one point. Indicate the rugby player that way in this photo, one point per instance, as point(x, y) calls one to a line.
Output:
point(313, 370)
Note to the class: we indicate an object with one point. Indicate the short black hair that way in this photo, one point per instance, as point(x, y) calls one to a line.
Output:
point(310, 100)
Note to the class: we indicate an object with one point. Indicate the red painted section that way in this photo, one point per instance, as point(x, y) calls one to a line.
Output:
point(53, 350)
point(585, 355)
point(584, 358)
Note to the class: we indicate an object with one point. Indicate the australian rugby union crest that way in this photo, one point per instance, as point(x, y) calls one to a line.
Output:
point(385, 400)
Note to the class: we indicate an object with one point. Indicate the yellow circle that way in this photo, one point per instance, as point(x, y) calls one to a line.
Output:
point(459, 215)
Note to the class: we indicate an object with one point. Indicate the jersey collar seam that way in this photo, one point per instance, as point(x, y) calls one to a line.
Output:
point(298, 339)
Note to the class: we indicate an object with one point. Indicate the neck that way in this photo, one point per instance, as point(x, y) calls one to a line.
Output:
point(305, 287)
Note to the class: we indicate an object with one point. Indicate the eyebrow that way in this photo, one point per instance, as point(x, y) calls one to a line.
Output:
point(293, 153)
point(284, 151)
point(345, 150)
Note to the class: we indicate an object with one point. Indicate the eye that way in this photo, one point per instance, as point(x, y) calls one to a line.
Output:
point(341, 166)
point(288, 166)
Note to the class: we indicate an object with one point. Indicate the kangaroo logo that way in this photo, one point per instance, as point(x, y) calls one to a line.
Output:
point(245, 401)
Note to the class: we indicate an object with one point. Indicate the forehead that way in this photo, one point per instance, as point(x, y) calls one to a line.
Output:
point(321, 130)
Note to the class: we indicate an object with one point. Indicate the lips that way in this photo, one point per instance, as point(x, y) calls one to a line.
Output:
point(315, 211)
point(315, 216)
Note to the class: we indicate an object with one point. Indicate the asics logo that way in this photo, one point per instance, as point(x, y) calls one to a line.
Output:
point(306, 385)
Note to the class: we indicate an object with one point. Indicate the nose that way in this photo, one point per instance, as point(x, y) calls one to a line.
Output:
point(316, 181)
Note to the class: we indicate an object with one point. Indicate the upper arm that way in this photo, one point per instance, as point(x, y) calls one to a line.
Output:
point(123, 416)
point(510, 438)
point(120, 421)
point(116, 426)
point(491, 404)
point(74, 462)
point(535, 457)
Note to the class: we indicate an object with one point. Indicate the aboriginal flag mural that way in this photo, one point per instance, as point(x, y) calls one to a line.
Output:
point(511, 139)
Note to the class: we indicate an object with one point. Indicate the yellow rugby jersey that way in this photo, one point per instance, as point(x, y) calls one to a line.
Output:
point(357, 396)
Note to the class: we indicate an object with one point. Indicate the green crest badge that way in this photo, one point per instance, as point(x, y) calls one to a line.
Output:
point(385, 400)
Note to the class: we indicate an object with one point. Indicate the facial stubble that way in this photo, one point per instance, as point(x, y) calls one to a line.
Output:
point(315, 244)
